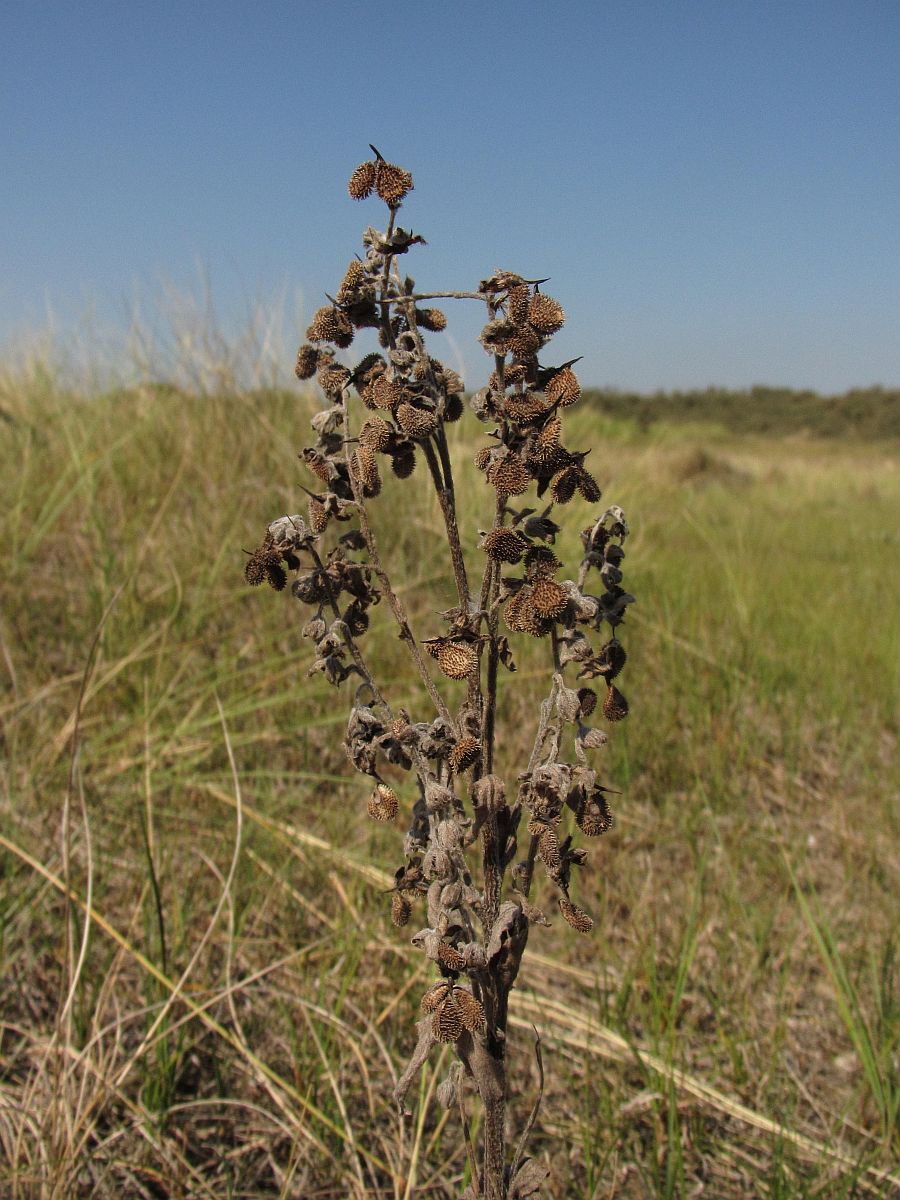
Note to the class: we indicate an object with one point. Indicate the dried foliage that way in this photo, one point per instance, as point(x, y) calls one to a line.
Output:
point(473, 843)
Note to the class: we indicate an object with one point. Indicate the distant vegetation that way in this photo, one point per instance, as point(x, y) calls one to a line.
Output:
point(863, 414)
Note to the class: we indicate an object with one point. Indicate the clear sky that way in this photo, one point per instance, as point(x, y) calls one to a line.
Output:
point(713, 185)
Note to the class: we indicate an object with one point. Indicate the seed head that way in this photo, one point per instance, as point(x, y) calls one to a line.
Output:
point(593, 816)
point(564, 388)
point(376, 434)
point(517, 299)
point(435, 996)
point(383, 803)
point(417, 423)
point(385, 393)
point(392, 182)
point(509, 475)
point(362, 181)
point(472, 1010)
point(431, 319)
point(548, 848)
point(504, 545)
point(563, 485)
point(329, 324)
point(549, 598)
point(333, 379)
point(545, 314)
point(456, 658)
point(484, 458)
point(447, 1023)
point(464, 754)
point(575, 916)
point(450, 957)
point(307, 361)
point(524, 406)
point(615, 706)
point(401, 910)
point(354, 279)
point(540, 562)
point(403, 461)
point(524, 343)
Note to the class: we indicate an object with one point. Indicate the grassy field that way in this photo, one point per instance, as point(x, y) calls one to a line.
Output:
point(202, 994)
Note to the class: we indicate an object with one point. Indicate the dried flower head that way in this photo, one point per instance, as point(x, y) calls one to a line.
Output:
point(564, 388)
point(457, 658)
point(392, 182)
point(504, 545)
point(545, 314)
point(383, 803)
point(575, 916)
point(307, 361)
point(362, 181)
point(464, 754)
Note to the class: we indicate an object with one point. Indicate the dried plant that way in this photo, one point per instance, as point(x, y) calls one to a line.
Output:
point(474, 839)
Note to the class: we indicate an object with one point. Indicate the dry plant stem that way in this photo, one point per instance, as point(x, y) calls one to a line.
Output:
point(412, 396)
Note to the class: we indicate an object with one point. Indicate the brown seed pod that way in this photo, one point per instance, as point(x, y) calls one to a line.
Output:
point(524, 343)
point(593, 816)
point(563, 485)
point(447, 1023)
point(417, 423)
point(464, 754)
point(564, 388)
point(367, 369)
point(550, 433)
point(457, 659)
point(307, 361)
point(548, 848)
point(588, 699)
point(329, 324)
point(318, 515)
point(545, 314)
point(435, 996)
point(496, 334)
point(615, 706)
point(513, 373)
point(365, 469)
point(455, 407)
point(548, 597)
point(385, 393)
point(504, 545)
point(362, 181)
point(431, 319)
point(333, 378)
point(392, 182)
point(575, 916)
point(401, 910)
point(383, 803)
point(484, 458)
point(540, 563)
point(376, 434)
point(354, 279)
point(276, 576)
point(522, 617)
point(509, 475)
point(403, 461)
point(524, 406)
point(320, 466)
point(255, 569)
point(611, 659)
point(588, 486)
point(450, 957)
point(517, 299)
point(472, 1010)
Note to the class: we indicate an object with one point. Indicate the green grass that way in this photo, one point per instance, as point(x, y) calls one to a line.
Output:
point(744, 956)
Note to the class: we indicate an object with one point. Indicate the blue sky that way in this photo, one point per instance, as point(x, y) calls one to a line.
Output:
point(713, 186)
